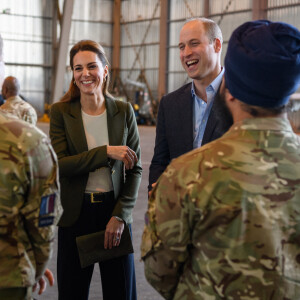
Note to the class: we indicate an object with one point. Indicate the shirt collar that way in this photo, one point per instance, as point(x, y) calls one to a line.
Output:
point(13, 98)
point(214, 85)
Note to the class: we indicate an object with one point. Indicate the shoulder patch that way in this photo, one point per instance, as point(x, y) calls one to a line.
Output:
point(46, 221)
point(46, 209)
point(47, 204)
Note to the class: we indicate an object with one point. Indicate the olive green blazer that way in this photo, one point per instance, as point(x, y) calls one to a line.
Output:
point(76, 161)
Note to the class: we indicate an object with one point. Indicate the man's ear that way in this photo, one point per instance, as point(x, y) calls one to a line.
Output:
point(217, 45)
point(228, 96)
point(225, 91)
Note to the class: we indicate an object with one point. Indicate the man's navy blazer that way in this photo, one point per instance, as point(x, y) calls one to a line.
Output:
point(174, 129)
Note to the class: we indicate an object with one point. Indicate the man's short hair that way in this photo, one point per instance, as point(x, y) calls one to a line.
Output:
point(261, 112)
point(12, 84)
point(212, 29)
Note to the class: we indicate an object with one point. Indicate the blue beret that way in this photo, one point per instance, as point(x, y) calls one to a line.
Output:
point(262, 63)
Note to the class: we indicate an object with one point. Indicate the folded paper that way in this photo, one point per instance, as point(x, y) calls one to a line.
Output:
point(91, 247)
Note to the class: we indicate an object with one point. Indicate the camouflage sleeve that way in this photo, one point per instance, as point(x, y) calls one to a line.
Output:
point(30, 116)
point(42, 210)
point(166, 234)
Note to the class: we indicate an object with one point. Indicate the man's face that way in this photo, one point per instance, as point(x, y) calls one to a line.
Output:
point(198, 56)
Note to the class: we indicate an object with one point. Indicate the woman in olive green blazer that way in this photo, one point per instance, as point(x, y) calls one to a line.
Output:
point(75, 161)
point(88, 95)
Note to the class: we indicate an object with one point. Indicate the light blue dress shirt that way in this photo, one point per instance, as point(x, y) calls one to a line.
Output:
point(202, 109)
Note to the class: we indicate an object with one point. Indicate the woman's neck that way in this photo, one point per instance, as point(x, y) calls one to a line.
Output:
point(93, 104)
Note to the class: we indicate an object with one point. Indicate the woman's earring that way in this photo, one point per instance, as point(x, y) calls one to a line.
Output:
point(74, 82)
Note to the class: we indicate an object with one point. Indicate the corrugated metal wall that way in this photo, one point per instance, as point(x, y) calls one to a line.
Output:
point(288, 11)
point(26, 29)
point(140, 40)
point(91, 20)
point(285, 11)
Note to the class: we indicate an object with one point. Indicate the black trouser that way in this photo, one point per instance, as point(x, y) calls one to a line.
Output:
point(21, 293)
point(117, 275)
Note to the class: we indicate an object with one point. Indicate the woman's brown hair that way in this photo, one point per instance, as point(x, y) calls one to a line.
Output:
point(86, 45)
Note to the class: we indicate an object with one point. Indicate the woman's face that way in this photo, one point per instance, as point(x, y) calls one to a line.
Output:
point(88, 72)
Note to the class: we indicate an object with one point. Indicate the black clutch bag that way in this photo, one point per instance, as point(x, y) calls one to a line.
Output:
point(91, 247)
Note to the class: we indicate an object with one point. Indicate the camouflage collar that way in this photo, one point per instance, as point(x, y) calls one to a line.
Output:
point(274, 124)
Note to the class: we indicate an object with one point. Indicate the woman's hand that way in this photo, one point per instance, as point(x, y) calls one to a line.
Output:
point(113, 233)
point(124, 154)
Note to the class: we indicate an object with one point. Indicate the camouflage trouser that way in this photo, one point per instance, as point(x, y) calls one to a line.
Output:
point(16, 293)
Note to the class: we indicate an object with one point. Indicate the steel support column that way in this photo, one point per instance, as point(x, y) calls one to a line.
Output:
point(54, 45)
point(116, 40)
point(206, 9)
point(259, 9)
point(163, 42)
point(62, 51)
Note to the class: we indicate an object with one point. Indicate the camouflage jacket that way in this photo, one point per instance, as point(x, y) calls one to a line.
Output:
point(22, 109)
point(29, 202)
point(223, 221)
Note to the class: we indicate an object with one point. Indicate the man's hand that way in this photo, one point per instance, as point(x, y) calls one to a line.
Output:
point(153, 185)
point(42, 283)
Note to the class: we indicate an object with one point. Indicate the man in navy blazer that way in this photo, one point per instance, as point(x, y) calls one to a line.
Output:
point(190, 117)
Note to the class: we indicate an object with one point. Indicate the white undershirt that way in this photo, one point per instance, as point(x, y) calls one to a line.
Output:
point(95, 128)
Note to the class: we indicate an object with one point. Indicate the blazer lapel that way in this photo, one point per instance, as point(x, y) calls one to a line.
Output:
point(185, 108)
point(74, 127)
point(115, 123)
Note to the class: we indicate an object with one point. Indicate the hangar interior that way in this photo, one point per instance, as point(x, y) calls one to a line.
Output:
point(140, 38)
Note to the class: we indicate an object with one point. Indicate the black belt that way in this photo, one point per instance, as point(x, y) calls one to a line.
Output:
point(98, 197)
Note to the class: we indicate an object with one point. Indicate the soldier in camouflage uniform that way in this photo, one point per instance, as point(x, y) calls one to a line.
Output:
point(223, 221)
point(14, 104)
point(29, 206)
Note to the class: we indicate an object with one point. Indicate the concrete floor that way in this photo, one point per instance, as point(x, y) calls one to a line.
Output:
point(145, 291)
